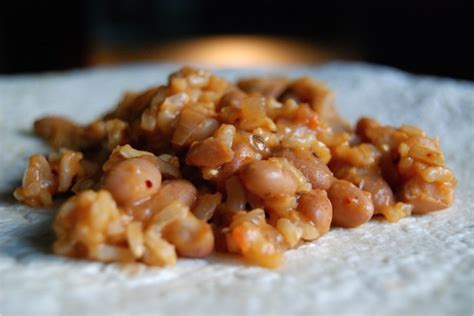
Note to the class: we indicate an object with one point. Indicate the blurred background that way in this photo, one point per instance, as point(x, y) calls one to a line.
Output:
point(429, 37)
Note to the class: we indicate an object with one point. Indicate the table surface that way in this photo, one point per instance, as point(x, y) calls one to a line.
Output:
point(422, 265)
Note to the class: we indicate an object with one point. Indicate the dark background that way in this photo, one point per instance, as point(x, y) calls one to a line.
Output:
point(431, 37)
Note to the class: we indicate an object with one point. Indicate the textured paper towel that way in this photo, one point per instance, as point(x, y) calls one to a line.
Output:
point(421, 265)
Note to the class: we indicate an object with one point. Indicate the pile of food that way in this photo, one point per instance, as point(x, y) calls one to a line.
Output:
point(202, 165)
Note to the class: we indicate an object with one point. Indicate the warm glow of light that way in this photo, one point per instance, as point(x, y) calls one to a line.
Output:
point(241, 51)
point(221, 51)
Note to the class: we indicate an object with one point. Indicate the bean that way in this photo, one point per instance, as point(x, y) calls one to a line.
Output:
point(267, 178)
point(312, 168)
point(46, 126)
point(231, 98)
point(371, 182)
point(191, 237)
point(364, 126)
point(210, 153)
point(132, 105)
point(380, 191)
point(58, 132)
point(321, 99)
point(243, 153)
point(383, 137)
point(270, 86)
point(280, 205)
point(171, 191)
point(316, 207)
point(427, 197)
point(132, 180)
point(350, 205)
point(236, 197)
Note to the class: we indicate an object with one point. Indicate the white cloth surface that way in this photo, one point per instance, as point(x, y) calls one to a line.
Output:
point(423, 265)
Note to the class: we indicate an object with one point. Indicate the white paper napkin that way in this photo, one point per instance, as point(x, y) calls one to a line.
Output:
point(421, 265)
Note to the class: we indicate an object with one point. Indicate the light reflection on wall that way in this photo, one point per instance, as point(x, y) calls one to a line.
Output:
point(221, 51)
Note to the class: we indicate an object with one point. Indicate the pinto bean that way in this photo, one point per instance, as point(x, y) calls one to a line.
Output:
point(243, 153)
point(351, 206)
point(232, 98)
point(380, 191)
point(427, 197)
point(58, 132)
point(312, 168)
point(371, 182)
point(316, 207)
point(174, 190)
point(267, 178)
point(191, 237)
point(270, 86)
point(236, 196)
point(132, 180)
point(177, 190)
point(210, 153)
